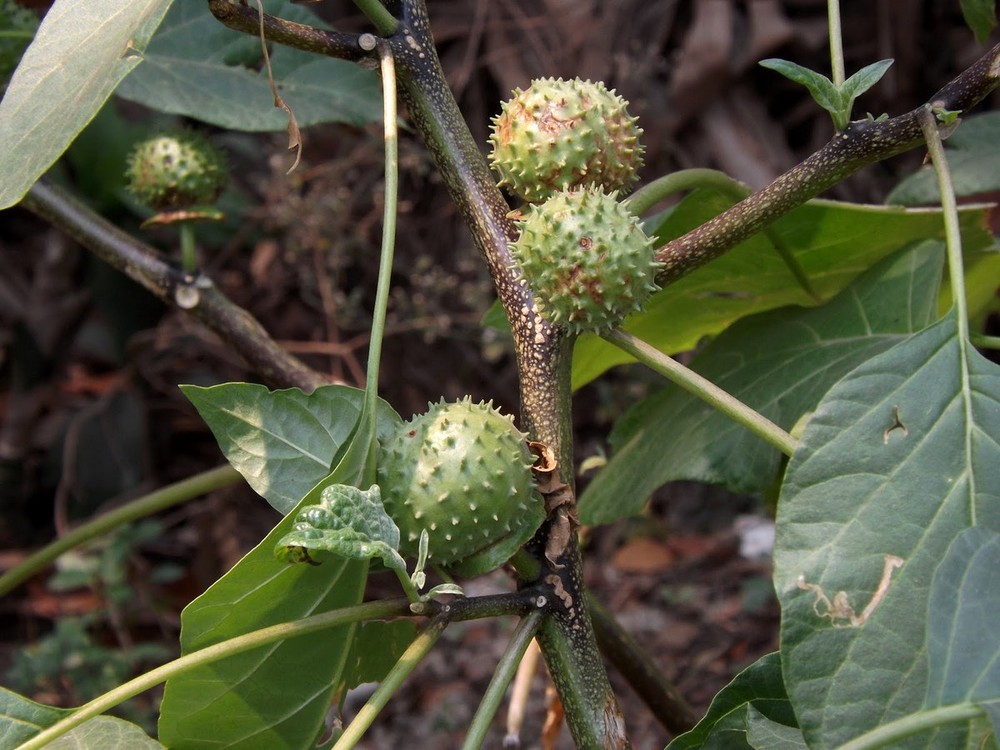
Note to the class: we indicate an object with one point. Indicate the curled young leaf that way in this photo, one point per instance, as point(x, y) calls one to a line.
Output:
point(348, 522)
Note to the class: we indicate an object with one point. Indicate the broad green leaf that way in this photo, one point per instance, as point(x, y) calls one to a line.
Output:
point(981, 16)
point(973, 153)
point(80, 54)
point(376, 648)
point(198, 68)
point(21, 719)
point(764, 734)
point(760, 687)
point(274, 697)
point(963, 636)
point(993, 711)
point(863, 80)
point(897, 461)
point(104, 732)
point(833, 243)
point(350, 523)
point(780, 363)
point(819, 86)
point(283, 442)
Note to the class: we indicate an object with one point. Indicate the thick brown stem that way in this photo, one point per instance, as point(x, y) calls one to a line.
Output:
point(543, 355)
point(862, 143)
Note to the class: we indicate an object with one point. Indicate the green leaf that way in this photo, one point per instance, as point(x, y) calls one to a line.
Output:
point(973, 159)
point(348, 522)
point(833, 242)
point(822, 89)
point(863, 80)
point(377, 647)
point(275, 697)
point(764, 734)
point(898, 460)
point(759, 687)
point(780, 363)
point(963, 630)
point(981, 17)
point(283, 442)
point(79, 55)
point(198, 68)
point(21, 719)
point(105, 732)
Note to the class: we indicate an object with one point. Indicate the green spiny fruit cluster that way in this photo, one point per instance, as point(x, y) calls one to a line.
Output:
point(176, 171)
point(586, 259)
point(462, 472)
point(557, 135)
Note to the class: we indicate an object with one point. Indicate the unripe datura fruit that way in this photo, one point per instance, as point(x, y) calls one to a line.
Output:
point(176, 171)
point(586, 259)
point(462, 471)
point(556, 135)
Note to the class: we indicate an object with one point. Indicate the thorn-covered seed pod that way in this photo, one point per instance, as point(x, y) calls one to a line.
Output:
point(477, 513)
point(586, 259)
point(557, 135)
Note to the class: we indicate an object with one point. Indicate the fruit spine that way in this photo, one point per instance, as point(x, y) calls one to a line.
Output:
point(462, 472)
point(586, 259)
point(556, 135)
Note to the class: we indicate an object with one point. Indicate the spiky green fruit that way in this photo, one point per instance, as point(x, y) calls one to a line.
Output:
point(586, 259)
point(175, 171)
point(462, 471)
point(556, 135)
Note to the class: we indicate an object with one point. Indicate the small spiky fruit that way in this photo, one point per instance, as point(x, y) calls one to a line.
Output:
point(556, 135)
point(176, 170)
point(586, 259)
point(462, 471)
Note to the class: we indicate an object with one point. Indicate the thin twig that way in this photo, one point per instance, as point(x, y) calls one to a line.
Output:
point(298, 35)
point(140, 262)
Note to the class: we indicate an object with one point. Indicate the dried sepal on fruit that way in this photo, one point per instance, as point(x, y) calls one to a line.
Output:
point(462, 472)
point(586, 259)
point(556, 135)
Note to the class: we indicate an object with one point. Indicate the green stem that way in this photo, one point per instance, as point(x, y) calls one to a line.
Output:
point(154, 502)
point(384, 21)
point(389, 118)
point(836, 43)
point(189, 256)
point(413, 655)
point(213, 653)
point(907, 726)
point(649, 195)
point(956, 270)
point(952, 230)
point(689, 179)
point(985, 342)
point(704, 389)
point(505, 670)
